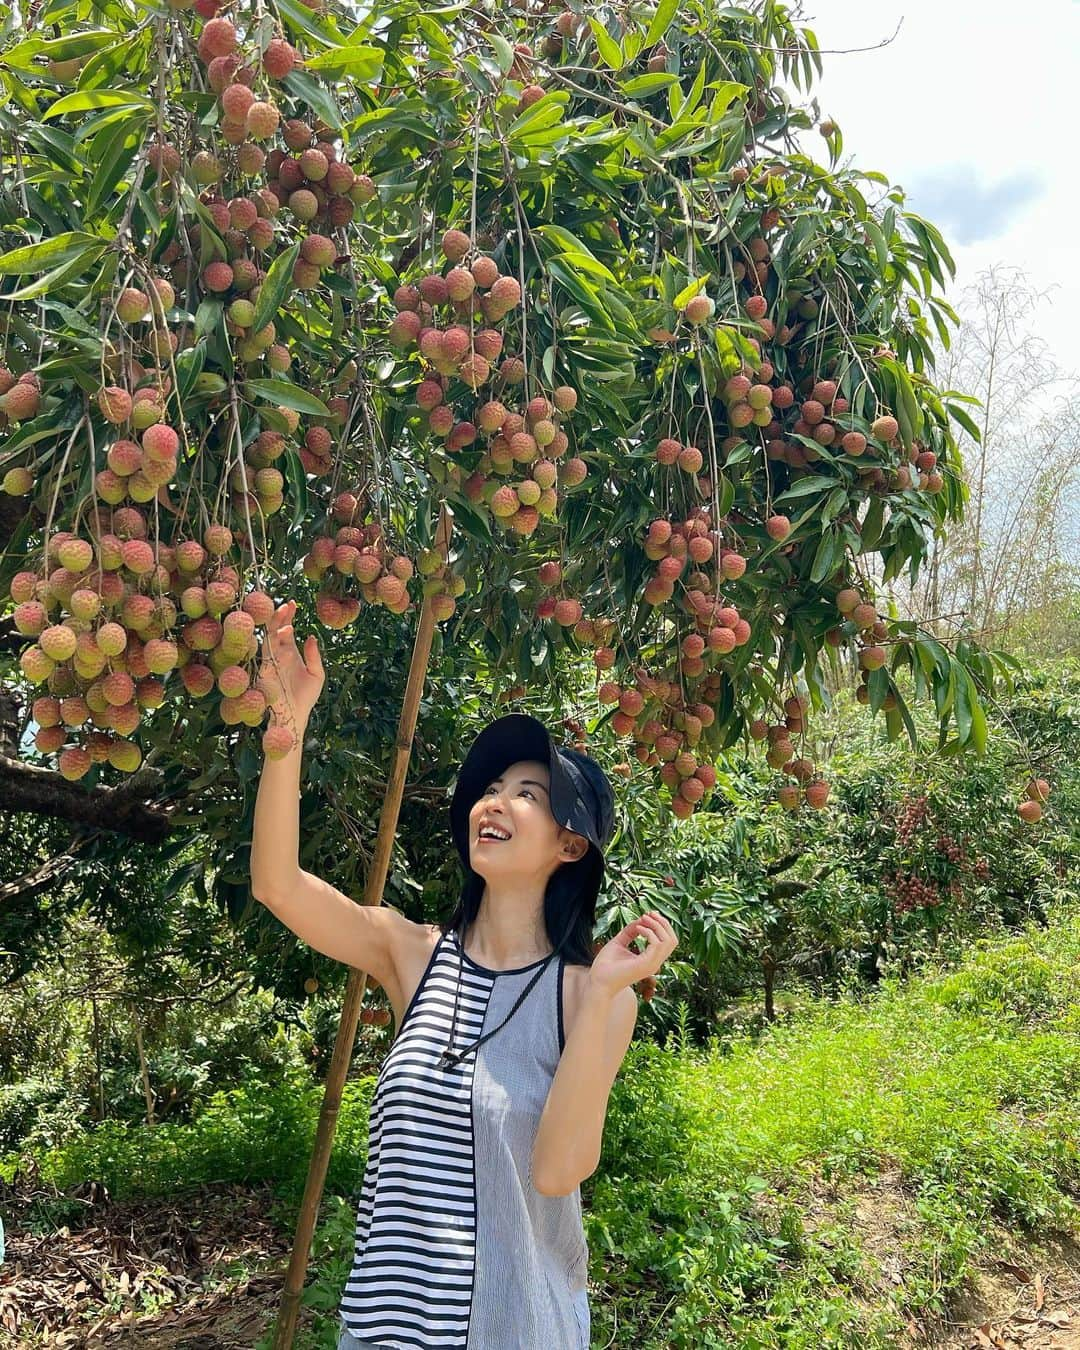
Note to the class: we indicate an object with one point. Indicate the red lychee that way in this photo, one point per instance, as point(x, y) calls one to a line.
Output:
point(279, 58)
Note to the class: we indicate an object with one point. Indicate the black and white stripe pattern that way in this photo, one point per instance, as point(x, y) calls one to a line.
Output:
point(415, 1247)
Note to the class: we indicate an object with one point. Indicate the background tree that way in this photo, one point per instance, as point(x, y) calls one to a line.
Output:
point(1007, 572)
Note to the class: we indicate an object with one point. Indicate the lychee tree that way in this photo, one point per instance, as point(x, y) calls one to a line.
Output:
point(278, 285)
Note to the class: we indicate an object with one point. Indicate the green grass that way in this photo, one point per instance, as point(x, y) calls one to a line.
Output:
point(749, 1192)
point(962, 1088)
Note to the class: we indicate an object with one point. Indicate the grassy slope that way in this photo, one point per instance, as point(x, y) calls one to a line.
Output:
point(952, 1100)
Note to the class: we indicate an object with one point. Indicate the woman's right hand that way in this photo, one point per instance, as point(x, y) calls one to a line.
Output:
point(292, 683)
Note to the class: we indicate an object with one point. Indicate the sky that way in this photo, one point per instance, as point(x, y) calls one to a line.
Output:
point(970, 107)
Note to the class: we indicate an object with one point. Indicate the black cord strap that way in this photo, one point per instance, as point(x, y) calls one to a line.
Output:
point(450, 1059)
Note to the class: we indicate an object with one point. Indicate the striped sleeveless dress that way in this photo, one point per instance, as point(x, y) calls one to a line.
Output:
point(454, 1247)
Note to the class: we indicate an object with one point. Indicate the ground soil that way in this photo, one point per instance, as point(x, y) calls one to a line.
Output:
point(204, 1272)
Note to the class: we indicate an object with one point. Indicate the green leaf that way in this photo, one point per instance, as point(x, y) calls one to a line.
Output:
point(586, 297)
point(958, 679)
point(470, 518)
point(85, 99)
point(823, 557)
point(115, 159)
point(575, 252)
point(77, 44)
point(871, 524)
point(294, 472)
point(361, 62)
point(610, 51)
point(59, 275)
point(544, 113)
point(688, 292)
point(726, 92)
point(275, 287)
point(47, 253)
point(834, 503)
point(814, 483)
point(959, 415)
point(648, 84)
point(303, 20)
point(288, 396)
point(881, 249)
point(189, 365)
point(315, 96)
point(208, 316)
point(661, 21)
point(504, 52)
point(978, 717)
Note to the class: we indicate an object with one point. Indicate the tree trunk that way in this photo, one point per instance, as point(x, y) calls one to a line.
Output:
point(148, 1092)
point(97, 1060)
point(770, 979)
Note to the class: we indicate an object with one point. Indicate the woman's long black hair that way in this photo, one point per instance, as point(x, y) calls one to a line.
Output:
point(570, 899)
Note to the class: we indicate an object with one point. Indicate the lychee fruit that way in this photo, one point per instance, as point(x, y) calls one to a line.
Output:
point(279, 58)
point(133, 305)
point(114, 402)
point(262, 120)
point(217, 277)
point(853, 442)
point(778, 527)
point(218, 38)
point(816, 794)
point(455, 244)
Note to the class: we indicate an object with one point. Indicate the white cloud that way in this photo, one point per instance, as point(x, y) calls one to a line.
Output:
point(962, 205)
point(979, 135)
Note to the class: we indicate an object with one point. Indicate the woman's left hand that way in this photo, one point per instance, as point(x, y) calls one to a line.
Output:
point(615, 966)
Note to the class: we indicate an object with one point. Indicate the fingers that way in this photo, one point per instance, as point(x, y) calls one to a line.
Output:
point(657, 924)
point(313, 656)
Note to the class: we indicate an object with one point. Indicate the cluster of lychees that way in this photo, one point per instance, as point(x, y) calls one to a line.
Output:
point(818, 413)
point(1029, 808)
point(112, 615)
point(913, 815)
point(667, 738)
point(535, 440)
point(20, 400)
point(314, 183)
point(355, 549)
point(451, 347)
point(673, 545)
point(865, 622)
point(912, 892)
point(810, 786)
point(947, 846)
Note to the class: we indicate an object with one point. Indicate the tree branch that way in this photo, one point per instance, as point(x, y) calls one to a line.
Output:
point(782, 864)
point(121, 810)
point(45, 874)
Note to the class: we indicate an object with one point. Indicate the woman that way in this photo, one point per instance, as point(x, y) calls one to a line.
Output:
point(488, 1111)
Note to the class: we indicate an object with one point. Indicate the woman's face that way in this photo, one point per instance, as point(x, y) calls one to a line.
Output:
point(516, 802)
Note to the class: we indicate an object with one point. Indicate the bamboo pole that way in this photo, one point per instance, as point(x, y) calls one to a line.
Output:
point(289, 1310)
